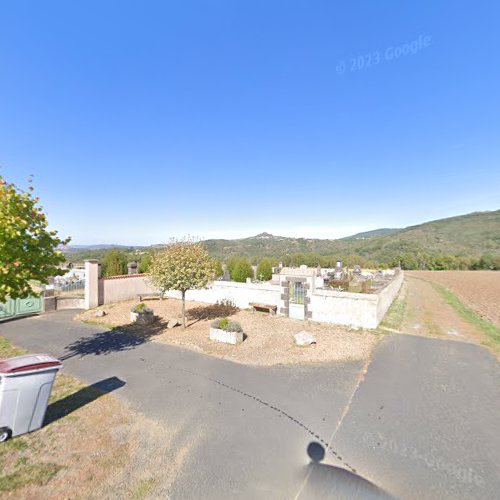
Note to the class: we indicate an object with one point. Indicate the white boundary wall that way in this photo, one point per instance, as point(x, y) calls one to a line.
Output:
point(354, 309)
point(344, 308)
point(329, 306)
point(118, 288)
point(242, 294)
point(387, 295)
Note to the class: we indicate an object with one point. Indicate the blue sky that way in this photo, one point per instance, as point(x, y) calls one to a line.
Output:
point(146, 120)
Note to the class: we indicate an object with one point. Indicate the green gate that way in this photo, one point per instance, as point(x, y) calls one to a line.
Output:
point(21, 307)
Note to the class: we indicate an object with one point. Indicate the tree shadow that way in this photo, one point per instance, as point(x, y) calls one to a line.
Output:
point(212, 311)
point(123, 338)
point(82, 397)
point(327, 481)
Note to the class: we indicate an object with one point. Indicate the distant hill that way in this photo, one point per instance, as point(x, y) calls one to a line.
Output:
point(81, 248)
point(466, 236)
point(372, 234)
point(78, 253)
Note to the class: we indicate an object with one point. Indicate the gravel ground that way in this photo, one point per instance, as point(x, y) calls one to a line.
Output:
point(269, 338)
point(480, 290)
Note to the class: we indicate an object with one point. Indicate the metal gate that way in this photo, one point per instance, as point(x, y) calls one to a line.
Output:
point(21, 307)
point(296, 308)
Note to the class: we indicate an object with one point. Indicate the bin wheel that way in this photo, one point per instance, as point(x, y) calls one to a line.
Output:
point(4, 434)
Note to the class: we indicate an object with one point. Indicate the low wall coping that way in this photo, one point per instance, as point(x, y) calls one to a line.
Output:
point(346, 295)
point(124, 276)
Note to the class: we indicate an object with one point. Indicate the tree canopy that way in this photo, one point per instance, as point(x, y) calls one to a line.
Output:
point(181, 266)
point(114, 263)
point(241, 270)
point(264, 270)
point(28, 250)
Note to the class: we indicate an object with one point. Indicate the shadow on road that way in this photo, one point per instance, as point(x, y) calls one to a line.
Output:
point(80, 398)
point(326, 481)
point(119, 339)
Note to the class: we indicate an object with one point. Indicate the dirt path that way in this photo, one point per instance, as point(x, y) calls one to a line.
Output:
point(427, 313)
point(480, 290)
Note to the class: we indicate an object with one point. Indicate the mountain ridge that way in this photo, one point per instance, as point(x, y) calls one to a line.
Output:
point(468, 236)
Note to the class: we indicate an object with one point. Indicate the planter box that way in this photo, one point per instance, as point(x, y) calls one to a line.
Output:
point(219, 335)
point(142, 318)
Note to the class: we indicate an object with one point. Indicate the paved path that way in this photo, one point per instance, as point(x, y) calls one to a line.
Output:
point(422, 424)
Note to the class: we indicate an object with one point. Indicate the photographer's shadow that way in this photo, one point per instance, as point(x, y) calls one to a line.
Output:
point(327, 481)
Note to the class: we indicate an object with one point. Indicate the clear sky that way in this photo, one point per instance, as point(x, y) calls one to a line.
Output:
point(142, 120)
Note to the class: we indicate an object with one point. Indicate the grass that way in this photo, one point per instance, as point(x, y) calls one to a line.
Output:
point(397, 311)
point(490, 330)
point(7, 350)
point(16, 456)
point(21, 458)
point(143, 489)
point(25, 474)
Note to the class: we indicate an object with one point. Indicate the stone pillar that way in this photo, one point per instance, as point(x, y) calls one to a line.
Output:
point(91, 284)
point(132, 268)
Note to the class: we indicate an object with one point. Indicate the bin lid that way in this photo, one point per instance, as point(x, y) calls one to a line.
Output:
point(27, 363)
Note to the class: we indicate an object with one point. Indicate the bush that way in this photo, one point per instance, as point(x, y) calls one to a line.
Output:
point(264, 270)
point(142, 308)
point(241, 271)
point(226, 325)
point(234, 327)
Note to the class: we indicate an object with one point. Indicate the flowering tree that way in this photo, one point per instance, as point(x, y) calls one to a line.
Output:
point(28, 250)
point(181, 266)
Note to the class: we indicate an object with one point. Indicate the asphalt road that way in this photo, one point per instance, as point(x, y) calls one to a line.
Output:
point(423, 423)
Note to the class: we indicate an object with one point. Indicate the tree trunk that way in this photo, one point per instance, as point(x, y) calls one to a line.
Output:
point(183, 309)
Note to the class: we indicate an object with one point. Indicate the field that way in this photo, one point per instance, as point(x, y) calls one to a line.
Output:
point(480, 290)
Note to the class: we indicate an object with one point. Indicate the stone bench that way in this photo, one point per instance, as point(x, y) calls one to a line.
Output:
point(144, 296)
point(266, 307)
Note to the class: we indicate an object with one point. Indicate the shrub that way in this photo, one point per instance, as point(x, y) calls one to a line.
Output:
point(141, 308)
point(341, 284)
point(241, 271)
point(264, 270)
point(228, 326)
point(234, 326)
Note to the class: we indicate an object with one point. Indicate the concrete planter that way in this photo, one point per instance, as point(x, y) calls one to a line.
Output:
point(142, 318)
point(219, 335)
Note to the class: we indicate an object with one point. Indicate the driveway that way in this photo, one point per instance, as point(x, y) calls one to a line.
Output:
point(421, 423)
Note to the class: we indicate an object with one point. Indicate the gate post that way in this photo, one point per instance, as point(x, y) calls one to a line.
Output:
point(91, 283)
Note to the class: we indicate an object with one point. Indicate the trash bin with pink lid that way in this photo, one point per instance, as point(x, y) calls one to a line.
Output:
point(25, 387)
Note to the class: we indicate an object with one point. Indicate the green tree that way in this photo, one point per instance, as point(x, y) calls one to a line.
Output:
point(181, 266)
point(218, 268)
point(241, 271)
point(264, 270)
point(231, 264)
point(28, 250)
point(144, 263)
point(114, 263)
